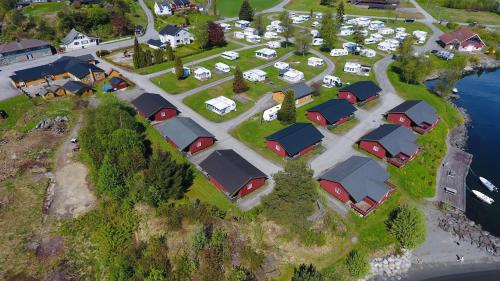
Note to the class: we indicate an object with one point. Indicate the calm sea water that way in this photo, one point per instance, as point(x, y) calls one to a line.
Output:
point(479, 276)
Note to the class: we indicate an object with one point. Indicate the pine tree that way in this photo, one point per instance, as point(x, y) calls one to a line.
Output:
point(179, 68)
point(239, 84)
point(246, 11)
point(259, 24)
point(159, 56)
point(328, 31)
point(287, 113)
point(137, 54)
point(301, 43)
point(340, 13)
point(148, 58)
point(288, 28)
point(169, 52)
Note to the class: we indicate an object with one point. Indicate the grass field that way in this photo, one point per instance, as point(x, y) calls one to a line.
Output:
point(307, 5)
point(231, 8)
point(43, 9)
point(439, 12)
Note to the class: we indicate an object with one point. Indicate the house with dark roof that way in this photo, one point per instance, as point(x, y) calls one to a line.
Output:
point(463, 39)
point(174, 36)
point(66, 67)
point(163, 8)
point(395, 143)
point(51, 91)
point(24, 50)
point(331, 113)
point(360, 92)
point(154, 107)
point(185, 134)
point(232, 174)
point(415, 114)
point(118, 83)
point(359, 182)
point(294, 140)
point(301, 91)
point(77, 88)
point(77, 40)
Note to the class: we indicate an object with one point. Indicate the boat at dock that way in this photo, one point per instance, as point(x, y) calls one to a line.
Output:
point(488, 184)
point(483, 197)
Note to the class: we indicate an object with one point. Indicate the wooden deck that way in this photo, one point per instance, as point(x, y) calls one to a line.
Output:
point(453, 175)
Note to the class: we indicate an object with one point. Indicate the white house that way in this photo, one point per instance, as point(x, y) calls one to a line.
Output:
point(230, 55)
point(175, 36)
point(332, 81)
point(338, 52)
point(254, 39)
point(222, 67)
point(315, 62)
point(317, 41)
point(255, 75)
point(273, 44)
point(221, 105)
point(293, 75)
point(202, 73)
point(271, 113)
point(266, 53)
point(369, 53)
point(77, 40)
point(239, 35)
point(270, 35)
point(242, 24)
point(357, 68)
point(163, 8)
point(282, 65)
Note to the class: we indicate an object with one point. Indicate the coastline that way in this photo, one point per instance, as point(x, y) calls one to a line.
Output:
point(450, 271)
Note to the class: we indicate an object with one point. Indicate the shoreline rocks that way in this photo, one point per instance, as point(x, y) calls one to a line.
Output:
point(465, 230)
point(392, 267)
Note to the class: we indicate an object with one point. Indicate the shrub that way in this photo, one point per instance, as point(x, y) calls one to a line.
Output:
point(407, 225)
point(307, 273)
point(357, 264)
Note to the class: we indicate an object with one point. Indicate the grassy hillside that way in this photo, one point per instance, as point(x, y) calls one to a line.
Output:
point(230, 8)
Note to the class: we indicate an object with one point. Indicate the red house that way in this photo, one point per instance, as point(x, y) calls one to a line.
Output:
point(295, 140)
point(182, 5)
point(415, 114)
point(185, 134)
point(463, 39)
point(118, 83)
point(360, 92)
point(394, 143)
point(358, 182)
point(331, 113)
point(154, 107)
point(232, 174)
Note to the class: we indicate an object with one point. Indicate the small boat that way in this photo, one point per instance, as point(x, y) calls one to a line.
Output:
point(483, 197)
point(455, 90)
point(488, 184)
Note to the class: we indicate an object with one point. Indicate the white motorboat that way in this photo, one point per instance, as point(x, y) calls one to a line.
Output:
point(483, 197)
point(488, 184)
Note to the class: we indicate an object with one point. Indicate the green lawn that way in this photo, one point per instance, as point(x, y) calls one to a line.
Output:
point(137, 15)
point(247, 60)
point(349, 77)
point(439, 12)
point(307, 5)
point(188, 53)
point(197, 101)
point(43, 9)
point(231, 8)
point(346, 127)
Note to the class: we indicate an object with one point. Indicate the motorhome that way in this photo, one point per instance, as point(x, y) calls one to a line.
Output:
point(222, 67)
point(230, 55)
point(271, 113)
point(273, 44)
point(338, 52)
point(369, 53)
point(330, 80)
point(317, 41)
point(254, 39)
point(315, 62)
point(266, 53)
point(282, 65)
point(202, 73)
point(255, 75)
point(293, 75)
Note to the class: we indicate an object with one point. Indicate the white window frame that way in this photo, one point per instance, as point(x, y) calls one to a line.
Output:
point(198, 144)
point(337, 190)
point(249, 186)
point(401, 119)
point(278, 148)
point(375, 148)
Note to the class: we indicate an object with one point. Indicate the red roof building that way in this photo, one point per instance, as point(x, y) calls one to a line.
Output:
point(463, 39)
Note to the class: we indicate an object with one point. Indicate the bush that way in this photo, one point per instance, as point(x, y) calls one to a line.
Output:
point(452, 25)
point(357, 264)
point(407, 225)
point(102, 53)
point(307, 273)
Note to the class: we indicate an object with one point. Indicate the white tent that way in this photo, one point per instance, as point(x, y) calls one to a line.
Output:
point(221, 105)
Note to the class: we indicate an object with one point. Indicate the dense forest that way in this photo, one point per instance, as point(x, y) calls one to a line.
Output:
point(477, 5)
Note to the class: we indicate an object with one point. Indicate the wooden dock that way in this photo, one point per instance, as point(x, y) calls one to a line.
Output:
point(453, 177)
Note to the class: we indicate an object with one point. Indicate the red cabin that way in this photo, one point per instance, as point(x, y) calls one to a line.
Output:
point(463, 39)
point(154, 107)
point(118, 83)
point(359, 182)
point(185, 134)
point(394, 143)
point(295, 140)
point(415, 114)
point(360, 92)
point(331, 113)
point(232, 174)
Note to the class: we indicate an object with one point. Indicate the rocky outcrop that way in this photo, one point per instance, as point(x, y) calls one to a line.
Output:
point(58, 125)
point(467, 231)
point(392, 267)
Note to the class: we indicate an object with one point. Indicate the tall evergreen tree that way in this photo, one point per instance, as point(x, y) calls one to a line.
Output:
point(288, 28)
point(328, 31)
point(169, 52)
point(259, 24)
point(137, 54)
point(239, 84)
point(246, 11)
point(287, 114)
point(179, 68)
point(159, 56)
point(148, 58)
point(307, 273)
point(301, 42)
point(340, 13)
point(200, 32)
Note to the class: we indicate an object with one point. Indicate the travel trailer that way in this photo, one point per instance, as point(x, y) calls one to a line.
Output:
point(271, 113)
point(330, 80)
point(202, 73)
point(315, 62)
point(317, 41)
point(255, 75)
point(338, 52)
point(221, 105)
point(273, 44)
point(242, 24)
point(357, 68)
point(254, 39)
point(222, 67)
point(293, 75)
point(266, 53)
point(230, 55)
point(282, 65)
point(369, 53)
point(239, 35)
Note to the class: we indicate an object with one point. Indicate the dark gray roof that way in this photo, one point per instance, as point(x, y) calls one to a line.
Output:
point(334, 110)
point(230, 170)
point(71, 36)
point(300, 90)
point(181, 2)
point(183, 131)
point(297, 137)
point(86, 57)
point(170, 30)
point(75, 86)
point(363, 89)
point(417, 110)
point(394, 138)
point(361, 177)
point(149, 104)
point(155, 42)
point(23, 44)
